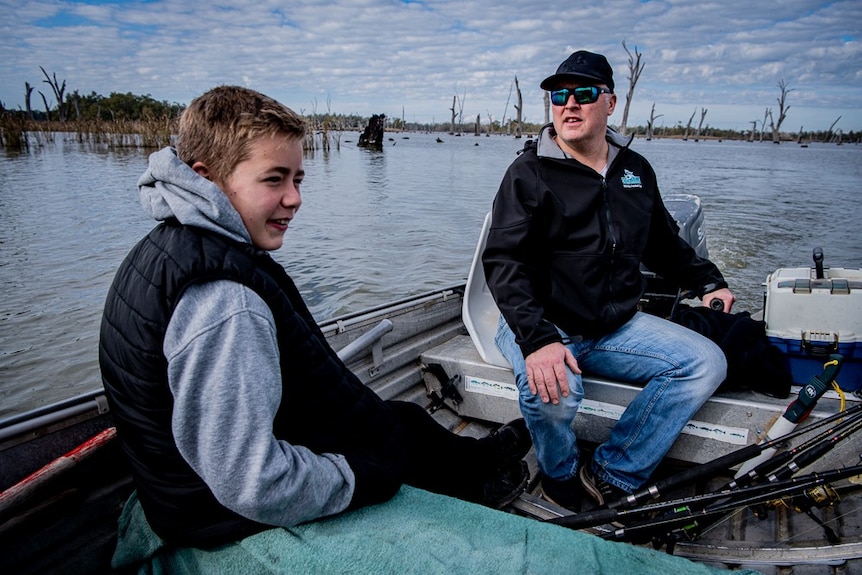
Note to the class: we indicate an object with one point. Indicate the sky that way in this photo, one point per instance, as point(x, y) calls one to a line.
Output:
point(410, 58)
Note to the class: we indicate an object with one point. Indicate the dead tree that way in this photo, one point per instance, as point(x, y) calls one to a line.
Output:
point(59, 90)
point(703, 112)
point(635, 69)
point(47, 107)
point(753, 130)
point(518, 107)
point(767, 114)
point(461, 112)
point(688, 126)
point(829, 131)
point(782, 110)
point(651, 123)
point(476, 125)
point(452, 121)
point(772, 126)
point(372, 137)
point(28, 91)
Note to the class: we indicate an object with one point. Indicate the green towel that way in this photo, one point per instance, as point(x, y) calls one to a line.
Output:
point(417, 532)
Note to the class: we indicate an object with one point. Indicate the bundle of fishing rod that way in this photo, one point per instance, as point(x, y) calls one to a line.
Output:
point(768, 476)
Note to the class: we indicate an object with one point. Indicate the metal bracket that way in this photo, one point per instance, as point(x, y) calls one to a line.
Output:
point(446, 388)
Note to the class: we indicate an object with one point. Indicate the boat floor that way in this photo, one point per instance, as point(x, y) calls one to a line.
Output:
point(69, 525)
point(783, 542)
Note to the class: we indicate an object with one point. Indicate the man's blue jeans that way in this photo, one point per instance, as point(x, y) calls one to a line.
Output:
point(679, 369)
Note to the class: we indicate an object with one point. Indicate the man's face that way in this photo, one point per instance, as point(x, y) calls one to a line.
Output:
point(580, 125)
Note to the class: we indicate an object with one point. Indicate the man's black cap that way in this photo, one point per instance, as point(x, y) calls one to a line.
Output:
point(582, 64)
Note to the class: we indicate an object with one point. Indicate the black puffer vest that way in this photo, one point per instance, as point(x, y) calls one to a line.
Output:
point(324, 406)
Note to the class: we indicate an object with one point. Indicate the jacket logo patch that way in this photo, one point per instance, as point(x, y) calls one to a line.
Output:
point(630, 180)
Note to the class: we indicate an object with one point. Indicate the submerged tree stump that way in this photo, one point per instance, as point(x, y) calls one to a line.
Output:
point(372, 137)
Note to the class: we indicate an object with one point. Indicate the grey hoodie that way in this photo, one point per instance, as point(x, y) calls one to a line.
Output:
point(224, 374)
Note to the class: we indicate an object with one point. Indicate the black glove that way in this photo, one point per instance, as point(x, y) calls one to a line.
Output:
point(377, 479)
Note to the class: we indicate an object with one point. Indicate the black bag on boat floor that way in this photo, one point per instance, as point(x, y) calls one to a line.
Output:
point(752, 362)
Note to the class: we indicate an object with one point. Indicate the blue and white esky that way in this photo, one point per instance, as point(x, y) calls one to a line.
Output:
point(409, 58)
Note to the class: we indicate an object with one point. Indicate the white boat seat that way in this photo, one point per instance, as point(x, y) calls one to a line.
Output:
point(479, 310)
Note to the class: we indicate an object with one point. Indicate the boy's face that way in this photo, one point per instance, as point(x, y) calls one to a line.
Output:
point(264, 189)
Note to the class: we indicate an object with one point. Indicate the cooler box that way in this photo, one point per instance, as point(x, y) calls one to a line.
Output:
point(809, 318)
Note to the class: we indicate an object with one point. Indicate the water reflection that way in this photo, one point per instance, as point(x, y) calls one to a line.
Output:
point(374, 226)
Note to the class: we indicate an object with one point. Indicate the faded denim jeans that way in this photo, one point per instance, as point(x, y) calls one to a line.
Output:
point(678, 368)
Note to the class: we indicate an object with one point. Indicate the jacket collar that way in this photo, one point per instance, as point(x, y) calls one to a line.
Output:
point(547, 147)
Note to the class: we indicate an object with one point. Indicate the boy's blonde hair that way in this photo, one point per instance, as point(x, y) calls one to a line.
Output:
point(218, 127)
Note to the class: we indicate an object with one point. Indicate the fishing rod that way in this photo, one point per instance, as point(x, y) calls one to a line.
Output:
point(799, 409)
point(789, 463)
point(849, 424)
point(748, 495)
point(689, 517)
point(725, 462)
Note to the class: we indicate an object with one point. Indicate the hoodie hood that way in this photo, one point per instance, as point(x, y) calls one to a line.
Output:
point(548, 147)
point(171, 189)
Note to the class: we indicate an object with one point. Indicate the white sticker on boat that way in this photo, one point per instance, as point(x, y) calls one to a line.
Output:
point(489, 387)
point(713, 431)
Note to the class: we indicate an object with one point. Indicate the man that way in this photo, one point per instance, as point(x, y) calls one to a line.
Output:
point(575, 216)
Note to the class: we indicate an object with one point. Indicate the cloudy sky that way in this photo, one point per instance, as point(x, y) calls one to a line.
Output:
point(411, 57)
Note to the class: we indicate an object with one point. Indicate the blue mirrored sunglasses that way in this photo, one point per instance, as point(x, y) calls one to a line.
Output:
point(583, 95)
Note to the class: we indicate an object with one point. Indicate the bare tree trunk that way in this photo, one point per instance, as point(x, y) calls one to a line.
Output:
point(635, 69)
point(518, 108)
point(47, 109)
point(772, 127)
point(703, 112)
point(651, 123)
point(799, 136)
point(28, 91)
point(753, 130)
point(766, 115)
point(688, 126)
point(58, 93)
point(452, 122)
point(461, 113)
point(782, 110)
point(476, 126)
point(832, 127)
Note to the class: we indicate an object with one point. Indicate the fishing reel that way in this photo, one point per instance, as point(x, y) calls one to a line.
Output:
point(819, 497)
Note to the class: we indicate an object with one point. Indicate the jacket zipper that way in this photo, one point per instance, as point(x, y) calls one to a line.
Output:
point(613, 240)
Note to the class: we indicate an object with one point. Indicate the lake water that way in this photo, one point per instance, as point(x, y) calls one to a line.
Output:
point(374, 226)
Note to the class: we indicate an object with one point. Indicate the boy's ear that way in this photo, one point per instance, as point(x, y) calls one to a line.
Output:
point(201, 170)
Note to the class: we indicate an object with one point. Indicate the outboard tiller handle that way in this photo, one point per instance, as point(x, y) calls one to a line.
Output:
point(818, 263)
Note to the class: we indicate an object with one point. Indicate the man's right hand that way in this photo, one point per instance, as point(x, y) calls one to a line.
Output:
point(546, 371)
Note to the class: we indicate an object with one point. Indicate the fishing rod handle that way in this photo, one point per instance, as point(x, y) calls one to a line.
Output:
point(703, 470)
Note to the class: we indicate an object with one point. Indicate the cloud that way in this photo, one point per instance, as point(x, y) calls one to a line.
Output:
point(372, 56)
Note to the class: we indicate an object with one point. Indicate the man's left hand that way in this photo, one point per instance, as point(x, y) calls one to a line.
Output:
point(724, 295)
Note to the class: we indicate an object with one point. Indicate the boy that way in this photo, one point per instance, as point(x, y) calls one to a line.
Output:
point(234, 412)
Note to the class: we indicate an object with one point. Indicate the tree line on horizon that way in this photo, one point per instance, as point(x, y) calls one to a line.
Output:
point(127, 112)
